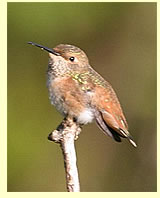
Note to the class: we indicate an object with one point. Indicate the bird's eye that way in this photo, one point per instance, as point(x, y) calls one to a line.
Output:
point(71, 58)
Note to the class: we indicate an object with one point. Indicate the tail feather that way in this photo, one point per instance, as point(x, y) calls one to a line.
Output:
point(130, 139)
point(111, 132)
point(105, 128)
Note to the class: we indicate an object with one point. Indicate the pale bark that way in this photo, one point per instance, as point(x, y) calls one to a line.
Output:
point(66, 134)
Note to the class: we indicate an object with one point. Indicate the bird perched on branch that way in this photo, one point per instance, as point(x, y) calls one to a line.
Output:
point(78, 91)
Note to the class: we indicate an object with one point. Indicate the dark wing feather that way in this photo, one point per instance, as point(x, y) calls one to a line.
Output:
point(105, 128)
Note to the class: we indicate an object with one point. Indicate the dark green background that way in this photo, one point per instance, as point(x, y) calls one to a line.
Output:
point(120, 41)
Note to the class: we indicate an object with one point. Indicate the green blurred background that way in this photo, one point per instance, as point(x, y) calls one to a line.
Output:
point(120, 41)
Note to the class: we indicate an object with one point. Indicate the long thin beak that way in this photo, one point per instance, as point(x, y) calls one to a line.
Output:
point(45, 48)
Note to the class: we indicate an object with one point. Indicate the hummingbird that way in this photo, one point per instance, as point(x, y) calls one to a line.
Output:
point(78, 91)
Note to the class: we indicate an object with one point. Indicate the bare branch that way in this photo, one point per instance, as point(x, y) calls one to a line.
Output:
point(66, 133)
